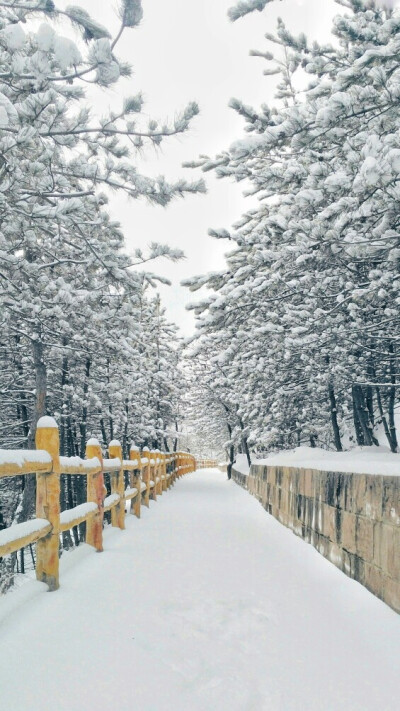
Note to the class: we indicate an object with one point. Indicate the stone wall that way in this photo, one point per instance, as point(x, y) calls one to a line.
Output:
point(351, 519)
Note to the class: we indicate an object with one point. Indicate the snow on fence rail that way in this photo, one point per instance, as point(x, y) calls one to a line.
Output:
point(150, 473)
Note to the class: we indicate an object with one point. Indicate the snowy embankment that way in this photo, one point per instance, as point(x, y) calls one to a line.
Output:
point(362, 460)
point(204, 604)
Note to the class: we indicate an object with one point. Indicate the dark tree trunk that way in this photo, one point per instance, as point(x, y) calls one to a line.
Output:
point(40, 389)
point(244, 442)
point(333, 412)
point(83, 422)
point(392, 400)
point(362, 418)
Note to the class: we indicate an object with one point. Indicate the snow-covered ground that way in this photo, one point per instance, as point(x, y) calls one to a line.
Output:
point(206, 603)
point(360, 460)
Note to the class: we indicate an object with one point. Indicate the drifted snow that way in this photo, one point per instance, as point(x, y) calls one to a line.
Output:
point(19, 457)
point(362, 460)
point(110, 500)
point(77, 512)
point(20, 530)
point(231, 612)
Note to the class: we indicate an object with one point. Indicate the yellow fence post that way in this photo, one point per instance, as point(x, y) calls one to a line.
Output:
point(136, 481)
point(153, 475)
point(163, 458)
point(95, 493)
point(158, 468)
point(146, 476)
point(117, 486)
point(48, 504)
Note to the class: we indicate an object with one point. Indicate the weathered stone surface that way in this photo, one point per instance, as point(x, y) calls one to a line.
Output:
point(351, 519)
point(391, 593)
point(373, 579)
point(349, 531)
point(391, 500)
point(365, 538)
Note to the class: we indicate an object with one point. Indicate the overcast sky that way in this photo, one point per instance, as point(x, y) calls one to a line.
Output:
point(187, 50)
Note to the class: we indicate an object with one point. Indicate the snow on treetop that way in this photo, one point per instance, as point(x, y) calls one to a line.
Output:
point(47, 421)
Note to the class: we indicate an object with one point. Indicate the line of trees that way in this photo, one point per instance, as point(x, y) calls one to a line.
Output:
point(82, 335)
point(299, 334)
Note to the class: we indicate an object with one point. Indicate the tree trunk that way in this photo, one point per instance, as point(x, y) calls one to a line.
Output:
point(392, 400)
point(333, 411)
point(83, 422)
point(40, 389)
point(362, 417)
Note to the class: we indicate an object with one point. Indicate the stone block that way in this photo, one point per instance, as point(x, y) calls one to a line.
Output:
point(391, 592)
point(359, 493)
point(335, 555)
point(391, 499)
point(323, 545)
point(373, 579)
point(349, 532)
point(365, 538)
point(387, 549)
point(308, 483)
point(347, 495)
point(373, 503)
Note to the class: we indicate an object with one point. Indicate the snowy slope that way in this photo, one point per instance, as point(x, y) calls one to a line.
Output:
point(206, 603)
point(362, 460)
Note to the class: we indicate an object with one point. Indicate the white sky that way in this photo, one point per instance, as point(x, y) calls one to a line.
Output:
point(188, 50)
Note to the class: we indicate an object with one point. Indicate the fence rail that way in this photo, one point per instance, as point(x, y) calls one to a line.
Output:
point(150, 474)
point(206, 463)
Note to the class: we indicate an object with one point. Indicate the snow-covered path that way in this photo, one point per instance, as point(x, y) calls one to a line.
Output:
point(206, 603)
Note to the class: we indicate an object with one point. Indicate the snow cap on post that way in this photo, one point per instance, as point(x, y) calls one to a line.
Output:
point(115, 443)
point(47, 422)
point(93, 442)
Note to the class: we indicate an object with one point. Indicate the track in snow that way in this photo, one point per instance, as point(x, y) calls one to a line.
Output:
point(206, 604)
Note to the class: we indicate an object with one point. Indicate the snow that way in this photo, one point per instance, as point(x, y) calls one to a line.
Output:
point(47, 421)
point(143, 486)
point(241, 465)
point(250, 618)
point(93, 442)
point(362, 460)
point(45, 37)
point(78, 462)
point(110, 500)
point(131, 462)
point(131, 491)
point(20, 530)
point(77, 512)
point(66, 52)
point(115, 443)
point(19, 457)
point(110, 465)
point(14, 36)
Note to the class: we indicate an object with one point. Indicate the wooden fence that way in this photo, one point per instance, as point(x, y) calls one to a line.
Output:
point(206, 463)
point(150, 474)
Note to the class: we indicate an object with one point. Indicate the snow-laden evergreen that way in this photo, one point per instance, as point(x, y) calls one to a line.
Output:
point(304, 321)
point(83, 337)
